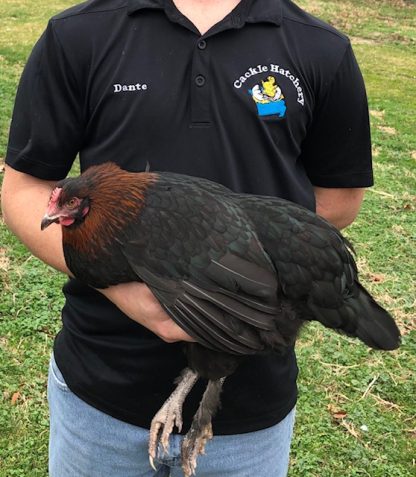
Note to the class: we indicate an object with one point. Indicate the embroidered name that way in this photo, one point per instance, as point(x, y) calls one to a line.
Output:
point(118, 88)
point(272, 68)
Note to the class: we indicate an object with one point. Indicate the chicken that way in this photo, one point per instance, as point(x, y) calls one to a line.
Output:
point(239, 273)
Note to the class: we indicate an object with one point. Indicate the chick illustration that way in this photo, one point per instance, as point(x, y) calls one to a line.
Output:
point(267, 92)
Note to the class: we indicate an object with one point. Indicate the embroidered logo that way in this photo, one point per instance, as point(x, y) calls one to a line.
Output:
point(267, 92)
point(118, 88)
point(269, 98)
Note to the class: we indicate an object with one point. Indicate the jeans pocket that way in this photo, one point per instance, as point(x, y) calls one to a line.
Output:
point(56, 375)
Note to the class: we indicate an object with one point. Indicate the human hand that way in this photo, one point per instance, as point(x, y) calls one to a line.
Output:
point(138, 302)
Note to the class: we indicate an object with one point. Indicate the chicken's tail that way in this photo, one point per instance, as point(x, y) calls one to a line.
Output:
point(375, 326)
point(362, 317)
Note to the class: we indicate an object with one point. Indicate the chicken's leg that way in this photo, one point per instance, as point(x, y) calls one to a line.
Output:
point(170, 414)
point(201, 429)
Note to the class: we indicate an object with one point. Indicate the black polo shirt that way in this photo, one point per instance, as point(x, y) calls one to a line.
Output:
point(269, 101)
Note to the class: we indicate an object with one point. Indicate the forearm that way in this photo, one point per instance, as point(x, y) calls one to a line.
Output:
point(24, 201)
point(338, 206)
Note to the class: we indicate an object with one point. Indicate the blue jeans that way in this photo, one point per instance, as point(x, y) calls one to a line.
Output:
point(85, 442)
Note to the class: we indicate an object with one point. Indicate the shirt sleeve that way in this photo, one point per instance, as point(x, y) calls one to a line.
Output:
point(337, 149)
point(46, 128)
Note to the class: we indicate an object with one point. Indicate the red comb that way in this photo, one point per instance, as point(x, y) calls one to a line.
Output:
point(55, 194)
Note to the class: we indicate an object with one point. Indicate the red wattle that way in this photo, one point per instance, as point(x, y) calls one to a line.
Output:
point(65, 221)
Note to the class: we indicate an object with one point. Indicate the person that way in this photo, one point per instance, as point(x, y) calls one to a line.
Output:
point(255, 94)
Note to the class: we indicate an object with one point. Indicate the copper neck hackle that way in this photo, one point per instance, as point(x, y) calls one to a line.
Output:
point(116, 198)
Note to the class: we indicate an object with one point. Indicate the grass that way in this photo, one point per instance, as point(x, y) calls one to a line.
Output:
point(356, 413)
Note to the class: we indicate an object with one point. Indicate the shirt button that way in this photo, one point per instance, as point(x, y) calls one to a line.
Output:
point(200, 80)
point(202, 44)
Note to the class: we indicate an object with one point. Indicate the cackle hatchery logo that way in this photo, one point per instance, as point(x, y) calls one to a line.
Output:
point(269, 98)
point(267, 93)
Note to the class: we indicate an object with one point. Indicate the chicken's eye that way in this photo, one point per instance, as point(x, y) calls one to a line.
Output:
point(72, 203)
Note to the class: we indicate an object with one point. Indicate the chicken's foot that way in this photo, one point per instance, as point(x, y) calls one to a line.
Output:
point(201, 429)
point(170, 414)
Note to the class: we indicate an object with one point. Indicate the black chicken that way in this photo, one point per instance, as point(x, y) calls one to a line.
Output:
point(239, 273)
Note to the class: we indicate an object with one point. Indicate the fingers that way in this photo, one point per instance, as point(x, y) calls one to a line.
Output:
point(170, 332)
point(138, 302)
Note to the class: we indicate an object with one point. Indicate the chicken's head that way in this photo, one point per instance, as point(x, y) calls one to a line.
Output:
point(67, 205)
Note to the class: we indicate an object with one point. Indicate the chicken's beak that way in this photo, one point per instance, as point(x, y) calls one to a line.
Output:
point(48, 220)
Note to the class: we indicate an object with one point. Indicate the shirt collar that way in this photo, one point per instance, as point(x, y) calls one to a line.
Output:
point(136, 5)
point(257, 11)
point(269, 11)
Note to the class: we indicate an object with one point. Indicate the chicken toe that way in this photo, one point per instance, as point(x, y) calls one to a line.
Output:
point(170, 414)
point(200, 432)
point(194, 445)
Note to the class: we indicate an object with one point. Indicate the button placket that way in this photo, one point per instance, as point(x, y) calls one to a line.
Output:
point(200, 95)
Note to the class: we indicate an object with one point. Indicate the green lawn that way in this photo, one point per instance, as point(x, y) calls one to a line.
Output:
point(356, 413)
